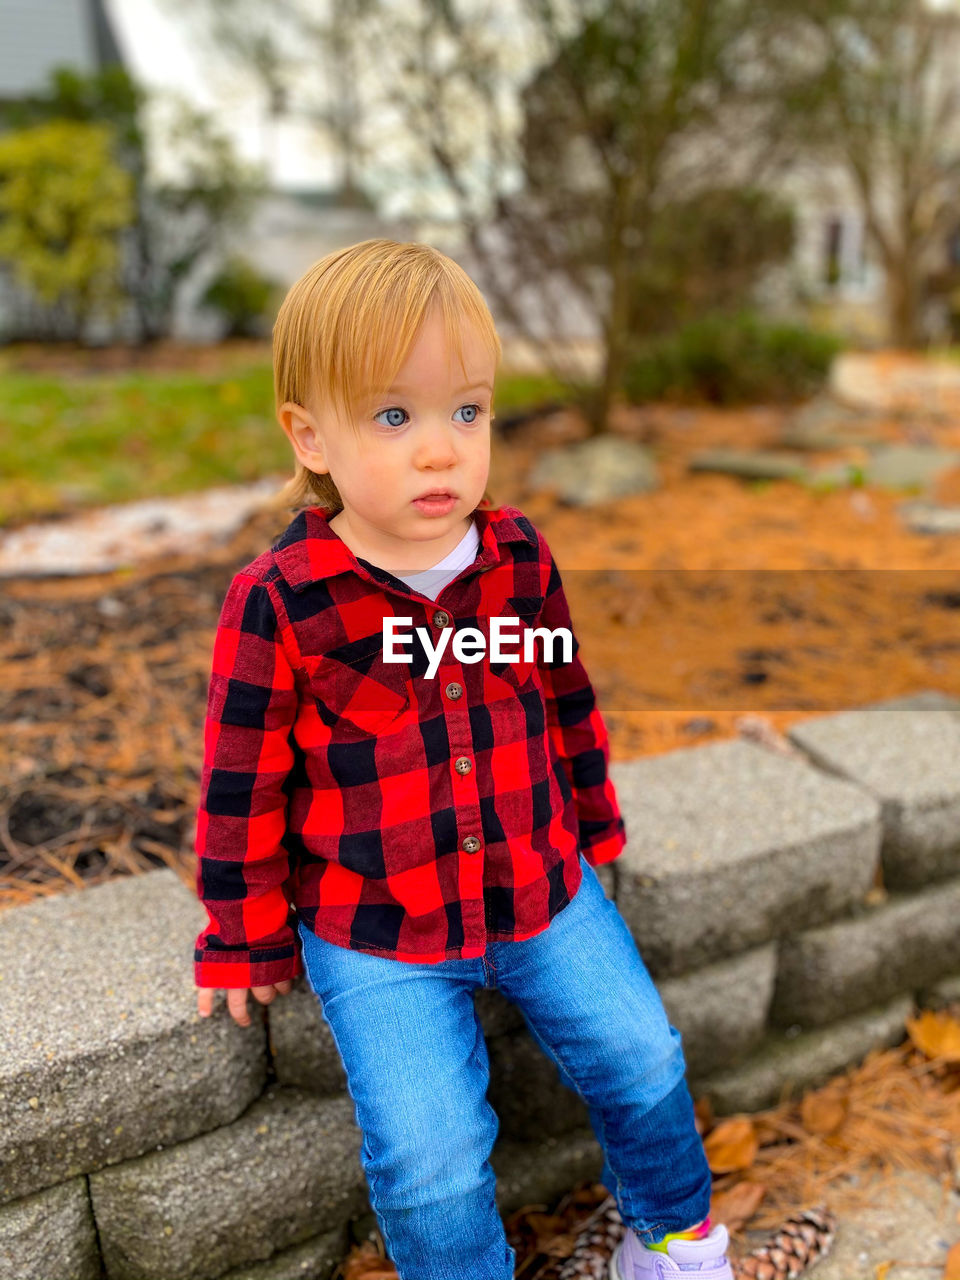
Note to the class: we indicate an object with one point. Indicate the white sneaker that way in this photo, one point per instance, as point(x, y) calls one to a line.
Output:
point(632, 1260)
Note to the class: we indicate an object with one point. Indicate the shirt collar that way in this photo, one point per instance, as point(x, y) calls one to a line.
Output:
point(309, 550)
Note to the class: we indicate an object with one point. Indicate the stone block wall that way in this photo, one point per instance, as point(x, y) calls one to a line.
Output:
point(793, 908)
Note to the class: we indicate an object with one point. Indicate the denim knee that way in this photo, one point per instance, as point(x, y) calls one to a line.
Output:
point(409, 1167)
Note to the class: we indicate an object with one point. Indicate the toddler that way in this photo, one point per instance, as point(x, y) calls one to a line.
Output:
point(404, 832)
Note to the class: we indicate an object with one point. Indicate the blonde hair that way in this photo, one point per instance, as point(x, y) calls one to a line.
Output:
point(345, 327)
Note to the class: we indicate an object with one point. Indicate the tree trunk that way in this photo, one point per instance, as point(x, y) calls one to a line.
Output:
point(615, 324)
point(903, 302)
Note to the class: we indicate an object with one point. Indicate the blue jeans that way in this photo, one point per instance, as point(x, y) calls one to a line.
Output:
point(417, 1069)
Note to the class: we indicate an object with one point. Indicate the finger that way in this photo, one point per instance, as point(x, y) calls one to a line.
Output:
point(284, 986)
point(264, 994)
point(237, 1004)
point(205, 1001)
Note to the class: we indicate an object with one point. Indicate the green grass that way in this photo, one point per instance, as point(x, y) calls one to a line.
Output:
point(68, 443)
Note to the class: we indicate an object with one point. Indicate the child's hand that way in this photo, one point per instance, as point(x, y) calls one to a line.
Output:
point(237, 999)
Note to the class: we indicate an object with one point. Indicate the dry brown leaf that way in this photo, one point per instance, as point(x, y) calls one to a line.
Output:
point(703, 1114)
point(951, 1270)
point(823, 1111)
point(882, 1269)
point(558, 1246)
point(364, 1262)
point(936, 1034)
point(737, 1206)
point(547, 1228)
point(731, 1145)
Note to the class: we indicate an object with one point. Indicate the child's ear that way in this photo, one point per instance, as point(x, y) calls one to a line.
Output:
point(303, 432)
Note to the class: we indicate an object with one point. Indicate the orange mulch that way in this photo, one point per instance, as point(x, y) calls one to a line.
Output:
point(712, 601)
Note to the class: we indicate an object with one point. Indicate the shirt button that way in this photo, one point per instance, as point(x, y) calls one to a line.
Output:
point(454, 690)
point(470, 844)
point(441, 619)
point(463, 764)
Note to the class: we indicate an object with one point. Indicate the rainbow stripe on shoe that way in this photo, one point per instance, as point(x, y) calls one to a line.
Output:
point(696, 1232)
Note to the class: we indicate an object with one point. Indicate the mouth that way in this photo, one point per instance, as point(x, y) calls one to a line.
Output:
point(436, 502)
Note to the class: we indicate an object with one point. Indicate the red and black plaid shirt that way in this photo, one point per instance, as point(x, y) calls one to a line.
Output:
point(411, 817)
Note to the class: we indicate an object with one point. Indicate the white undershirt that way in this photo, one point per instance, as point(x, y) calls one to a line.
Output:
point(430, 582)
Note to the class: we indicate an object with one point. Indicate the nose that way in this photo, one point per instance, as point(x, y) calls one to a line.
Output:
point(435, 446)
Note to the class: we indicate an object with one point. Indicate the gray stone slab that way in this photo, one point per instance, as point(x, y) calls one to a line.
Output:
point(894, 948)
point(922, 700)
point(527, 1093)
point(908, 466)
point(595, 470)
point(824, 412)
point(103, 1053)
point(287, 1170)
point(304, 1051)
point(907, 759)
point(542, 1172)
point(607, 875)
point(315, 1259)
point(498, 1015)
point(50, 1235)
point(721, 1010)
point(730, 844)
point(826, 438)
point(787, 1064)
point(930, 517)
point(750, 464)
point(913, 1220)
point(940, 994)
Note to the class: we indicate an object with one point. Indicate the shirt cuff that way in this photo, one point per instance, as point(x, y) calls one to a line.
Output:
point(606, 849)
point(246, 968)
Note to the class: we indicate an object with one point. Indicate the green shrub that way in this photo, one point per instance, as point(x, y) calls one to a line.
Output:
point(731, 359)
point(243, 297)
point(64, 204)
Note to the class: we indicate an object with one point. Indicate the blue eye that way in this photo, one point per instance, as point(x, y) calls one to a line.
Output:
point(475, 409)
point(392, 409)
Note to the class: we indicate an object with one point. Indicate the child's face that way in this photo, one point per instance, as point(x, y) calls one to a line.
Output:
point(432, 430)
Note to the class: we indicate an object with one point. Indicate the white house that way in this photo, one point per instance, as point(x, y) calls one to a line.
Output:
point(296, 224)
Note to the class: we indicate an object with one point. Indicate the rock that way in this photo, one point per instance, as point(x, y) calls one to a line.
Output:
point(730, 844)
point(906, 759)
point(793, 438)
point(751, 464)
point(597, 470)
point(827, 423)
point(929, 517)
point(890, 466)
point(903, 466)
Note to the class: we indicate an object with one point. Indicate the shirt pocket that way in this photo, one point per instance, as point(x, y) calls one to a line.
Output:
point(356, 692)
point(518, 674)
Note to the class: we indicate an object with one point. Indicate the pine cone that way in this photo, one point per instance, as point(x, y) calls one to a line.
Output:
point(804, 1239)
point(596, 1241)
